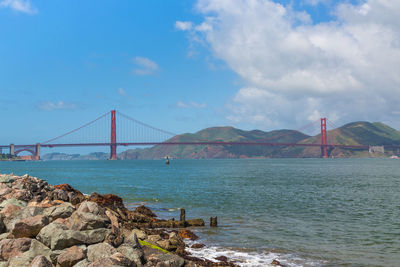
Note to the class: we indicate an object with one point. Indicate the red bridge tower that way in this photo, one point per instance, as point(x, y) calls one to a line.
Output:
point(113, 141)
point(324, 142)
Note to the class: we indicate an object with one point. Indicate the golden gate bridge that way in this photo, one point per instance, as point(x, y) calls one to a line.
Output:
point(132, 132)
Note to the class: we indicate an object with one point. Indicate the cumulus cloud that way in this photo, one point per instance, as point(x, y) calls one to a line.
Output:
point(190, 104)
point(144, 66)
point(19, 5)
point(48, 106)
point(183, 25)
point(293, 69)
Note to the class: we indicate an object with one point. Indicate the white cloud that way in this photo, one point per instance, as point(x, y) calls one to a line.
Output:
point(19, 5)
point(144, 66)
point(48, 106)
point(293, 69)
point(183, 25)
point(190, 104)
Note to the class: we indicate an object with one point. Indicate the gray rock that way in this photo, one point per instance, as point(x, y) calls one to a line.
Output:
point(59, 194)
point(13, 201)
point(58, 236)
point(18, 262)
point(83, 263)
point(140, 234)
point(114, 260)
point(71, 256)
point(91, 207)
point(132, 240)
point(29, 227)
point(153, 238)
point(87, 221)
point(40, 261)
point(4, 178)
point(25, 212)
point(99, 251)
point(166, 260)
point(134, 254)
point(63, 210)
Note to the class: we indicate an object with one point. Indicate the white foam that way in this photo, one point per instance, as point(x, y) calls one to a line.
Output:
point(247, 259)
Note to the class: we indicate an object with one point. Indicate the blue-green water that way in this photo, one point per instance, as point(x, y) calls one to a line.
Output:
point(299, 211)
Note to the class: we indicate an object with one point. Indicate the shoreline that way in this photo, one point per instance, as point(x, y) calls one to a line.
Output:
point(41, 222)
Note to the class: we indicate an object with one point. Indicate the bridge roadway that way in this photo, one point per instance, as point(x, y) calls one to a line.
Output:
point(199, 143)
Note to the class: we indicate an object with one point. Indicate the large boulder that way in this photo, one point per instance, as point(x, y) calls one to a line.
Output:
point(13, 247)
point(134, 254)
point(58, 236)
point(9, 209)
point(164, 259)
point(114, 260)
point(98, 251)
point(63, 210)
point(87, 221)
point(25, 212)
point(71, 256)
point(74, 196)
point(30, 227)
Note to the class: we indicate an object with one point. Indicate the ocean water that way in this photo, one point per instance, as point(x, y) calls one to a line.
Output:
point(301, 212)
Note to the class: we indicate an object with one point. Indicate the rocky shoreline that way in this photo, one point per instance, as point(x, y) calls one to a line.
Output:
point(45, 225)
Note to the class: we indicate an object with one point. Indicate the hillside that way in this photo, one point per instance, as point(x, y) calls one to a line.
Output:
point(356, 133)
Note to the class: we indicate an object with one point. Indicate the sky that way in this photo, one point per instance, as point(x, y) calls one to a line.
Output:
point(186, 65)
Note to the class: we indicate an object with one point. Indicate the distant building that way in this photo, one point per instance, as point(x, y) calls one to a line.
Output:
point(376, 149)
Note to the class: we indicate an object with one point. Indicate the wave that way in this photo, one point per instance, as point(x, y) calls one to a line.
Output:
point(248, 258)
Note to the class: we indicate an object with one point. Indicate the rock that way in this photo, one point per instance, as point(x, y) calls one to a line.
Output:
point(4, 178)
point(87, 221)
point(111, 201)
point(36, 249)
point(40, 261)
point(198, 245)
point(2, 225)
point(59, 194)
point(82, 263)
point(14, 202)
point(114, 260)
point(165, 244)
point(140, 234)
point(74, 196)
point(25, 212)
point(98, 251)
point(164, 260)
point(4, 190)
point(153, 238)
point(18, 262)
point(132, 240)
point(20, 194)
point(70, 257)
point(13, 247)
point(30, 227)
point(175, 240)
point(222, 258)
point(275, 262)
point(134, 254)
point(91, 207)
point(58, 236)
point(145, 211)
point(6, 236)
point(9, 209)
point(63, 210)
point(185, 233)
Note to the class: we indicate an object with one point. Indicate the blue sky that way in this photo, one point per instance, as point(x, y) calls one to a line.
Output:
point(186, 65)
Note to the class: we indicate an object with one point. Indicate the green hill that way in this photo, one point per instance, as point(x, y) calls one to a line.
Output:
point(227, 134)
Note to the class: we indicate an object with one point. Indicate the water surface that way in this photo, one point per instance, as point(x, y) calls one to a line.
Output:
point(300, 211)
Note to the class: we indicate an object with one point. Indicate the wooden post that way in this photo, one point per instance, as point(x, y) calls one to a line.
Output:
point(183, 215)
point(213, 221)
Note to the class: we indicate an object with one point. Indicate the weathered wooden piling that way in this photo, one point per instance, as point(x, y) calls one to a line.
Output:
point(213, 221)
point(183, 215)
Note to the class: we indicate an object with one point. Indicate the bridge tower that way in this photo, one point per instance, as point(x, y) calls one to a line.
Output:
point(12, 149)
point(324, 142)
point(113, 141)
point(37, 151)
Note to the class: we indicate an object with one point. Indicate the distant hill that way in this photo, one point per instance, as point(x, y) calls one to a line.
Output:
point(63, 156)
point(356, 133)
